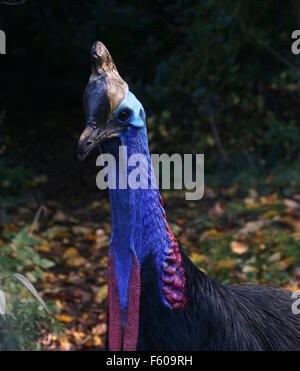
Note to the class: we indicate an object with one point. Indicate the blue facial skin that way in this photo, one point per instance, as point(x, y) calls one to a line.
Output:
point(138, 224)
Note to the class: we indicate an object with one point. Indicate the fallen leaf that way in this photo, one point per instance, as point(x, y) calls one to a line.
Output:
point(64, 343)
point(78, 229)
point(270, 214)
point(95, 205)
point(253, 226)
point(249, 269)
point(76, 261)
point(101, 294)
point(225, 264)
point(99, 329)
point(217, 210)
point(60, 217)
point(239, 248)
point(64, 318)
point(70, 253)
point(291, 204)
point(198, 258)
point(269, 200)
point(57, 232)
point(209, 234)
point(97, 341)
point(282, 265)
point(275, 257)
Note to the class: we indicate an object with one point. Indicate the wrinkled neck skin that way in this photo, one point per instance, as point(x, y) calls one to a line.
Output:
point(139, 228)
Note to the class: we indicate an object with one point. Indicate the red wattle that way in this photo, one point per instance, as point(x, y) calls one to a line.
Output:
point(123, 337)
point(115, 323)
point(131, 331)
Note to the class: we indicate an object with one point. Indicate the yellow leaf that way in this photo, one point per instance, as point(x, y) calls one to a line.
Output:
point(249, 269)
point(239, 248)
point(58, 304)
point(78, 229)
point(282, 265)
point(275, 257)
point(78, 335)
point(64, 318)
point(57, 232)
point(76, 261)
point(197, 258)
point(64, 343)
point(44, 246)
point(99, 329)
point(97, 341)
point(270, 214)
point(209, 234)
point(225, 264)
point(101, 294)
point(70, 253)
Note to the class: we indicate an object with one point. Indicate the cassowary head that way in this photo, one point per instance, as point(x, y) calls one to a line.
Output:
point(112, 111)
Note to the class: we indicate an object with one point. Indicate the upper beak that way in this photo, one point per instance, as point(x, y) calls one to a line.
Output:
point(91, 137)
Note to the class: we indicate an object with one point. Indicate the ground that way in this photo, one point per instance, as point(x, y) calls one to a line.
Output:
point(239, 232)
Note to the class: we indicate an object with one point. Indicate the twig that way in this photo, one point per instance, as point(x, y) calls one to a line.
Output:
point(33, 226)
point(249, 159)
point(217, 137)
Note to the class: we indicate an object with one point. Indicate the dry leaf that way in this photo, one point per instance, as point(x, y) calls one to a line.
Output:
point(225, 264)
point(64, 318)
point(275, 257)
point(76, 261)
point(57, 232)
point(291, 204)
point(78, 229)
point(97, 341)
point(60, 217)
point(253, 226)
point(101, 294)
point(239, 248)
point(209, 234)
point(70, 253)
point(249, 269)
point(198, 258)
point(217, 210)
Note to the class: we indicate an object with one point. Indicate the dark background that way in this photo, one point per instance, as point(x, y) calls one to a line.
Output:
point(215, 77)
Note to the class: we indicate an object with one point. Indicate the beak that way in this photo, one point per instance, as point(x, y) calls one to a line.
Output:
point(91, 137)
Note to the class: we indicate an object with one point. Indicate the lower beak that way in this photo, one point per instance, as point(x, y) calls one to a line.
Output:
point(91, 137)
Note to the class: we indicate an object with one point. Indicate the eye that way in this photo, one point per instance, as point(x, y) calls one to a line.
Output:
point(124, 115)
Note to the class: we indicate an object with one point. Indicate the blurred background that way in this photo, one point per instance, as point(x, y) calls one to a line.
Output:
point(214, 77)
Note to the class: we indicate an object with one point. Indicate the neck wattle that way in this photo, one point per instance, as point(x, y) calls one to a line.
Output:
point(139, 229)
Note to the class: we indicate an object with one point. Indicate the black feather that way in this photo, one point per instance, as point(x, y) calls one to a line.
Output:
point(216, 317)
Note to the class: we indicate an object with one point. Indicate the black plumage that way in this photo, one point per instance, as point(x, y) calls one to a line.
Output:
point(216, 317)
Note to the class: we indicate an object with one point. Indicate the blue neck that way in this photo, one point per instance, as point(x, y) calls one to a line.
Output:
point(138, 223)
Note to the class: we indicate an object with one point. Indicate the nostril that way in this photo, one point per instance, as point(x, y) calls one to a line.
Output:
point(89, 143)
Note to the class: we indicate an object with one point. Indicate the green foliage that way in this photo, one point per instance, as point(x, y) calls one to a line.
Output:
point(18, 255)
point(26, 323)
point(27, 320)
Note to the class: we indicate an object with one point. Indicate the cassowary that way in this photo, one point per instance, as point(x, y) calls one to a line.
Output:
point(158, 299)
